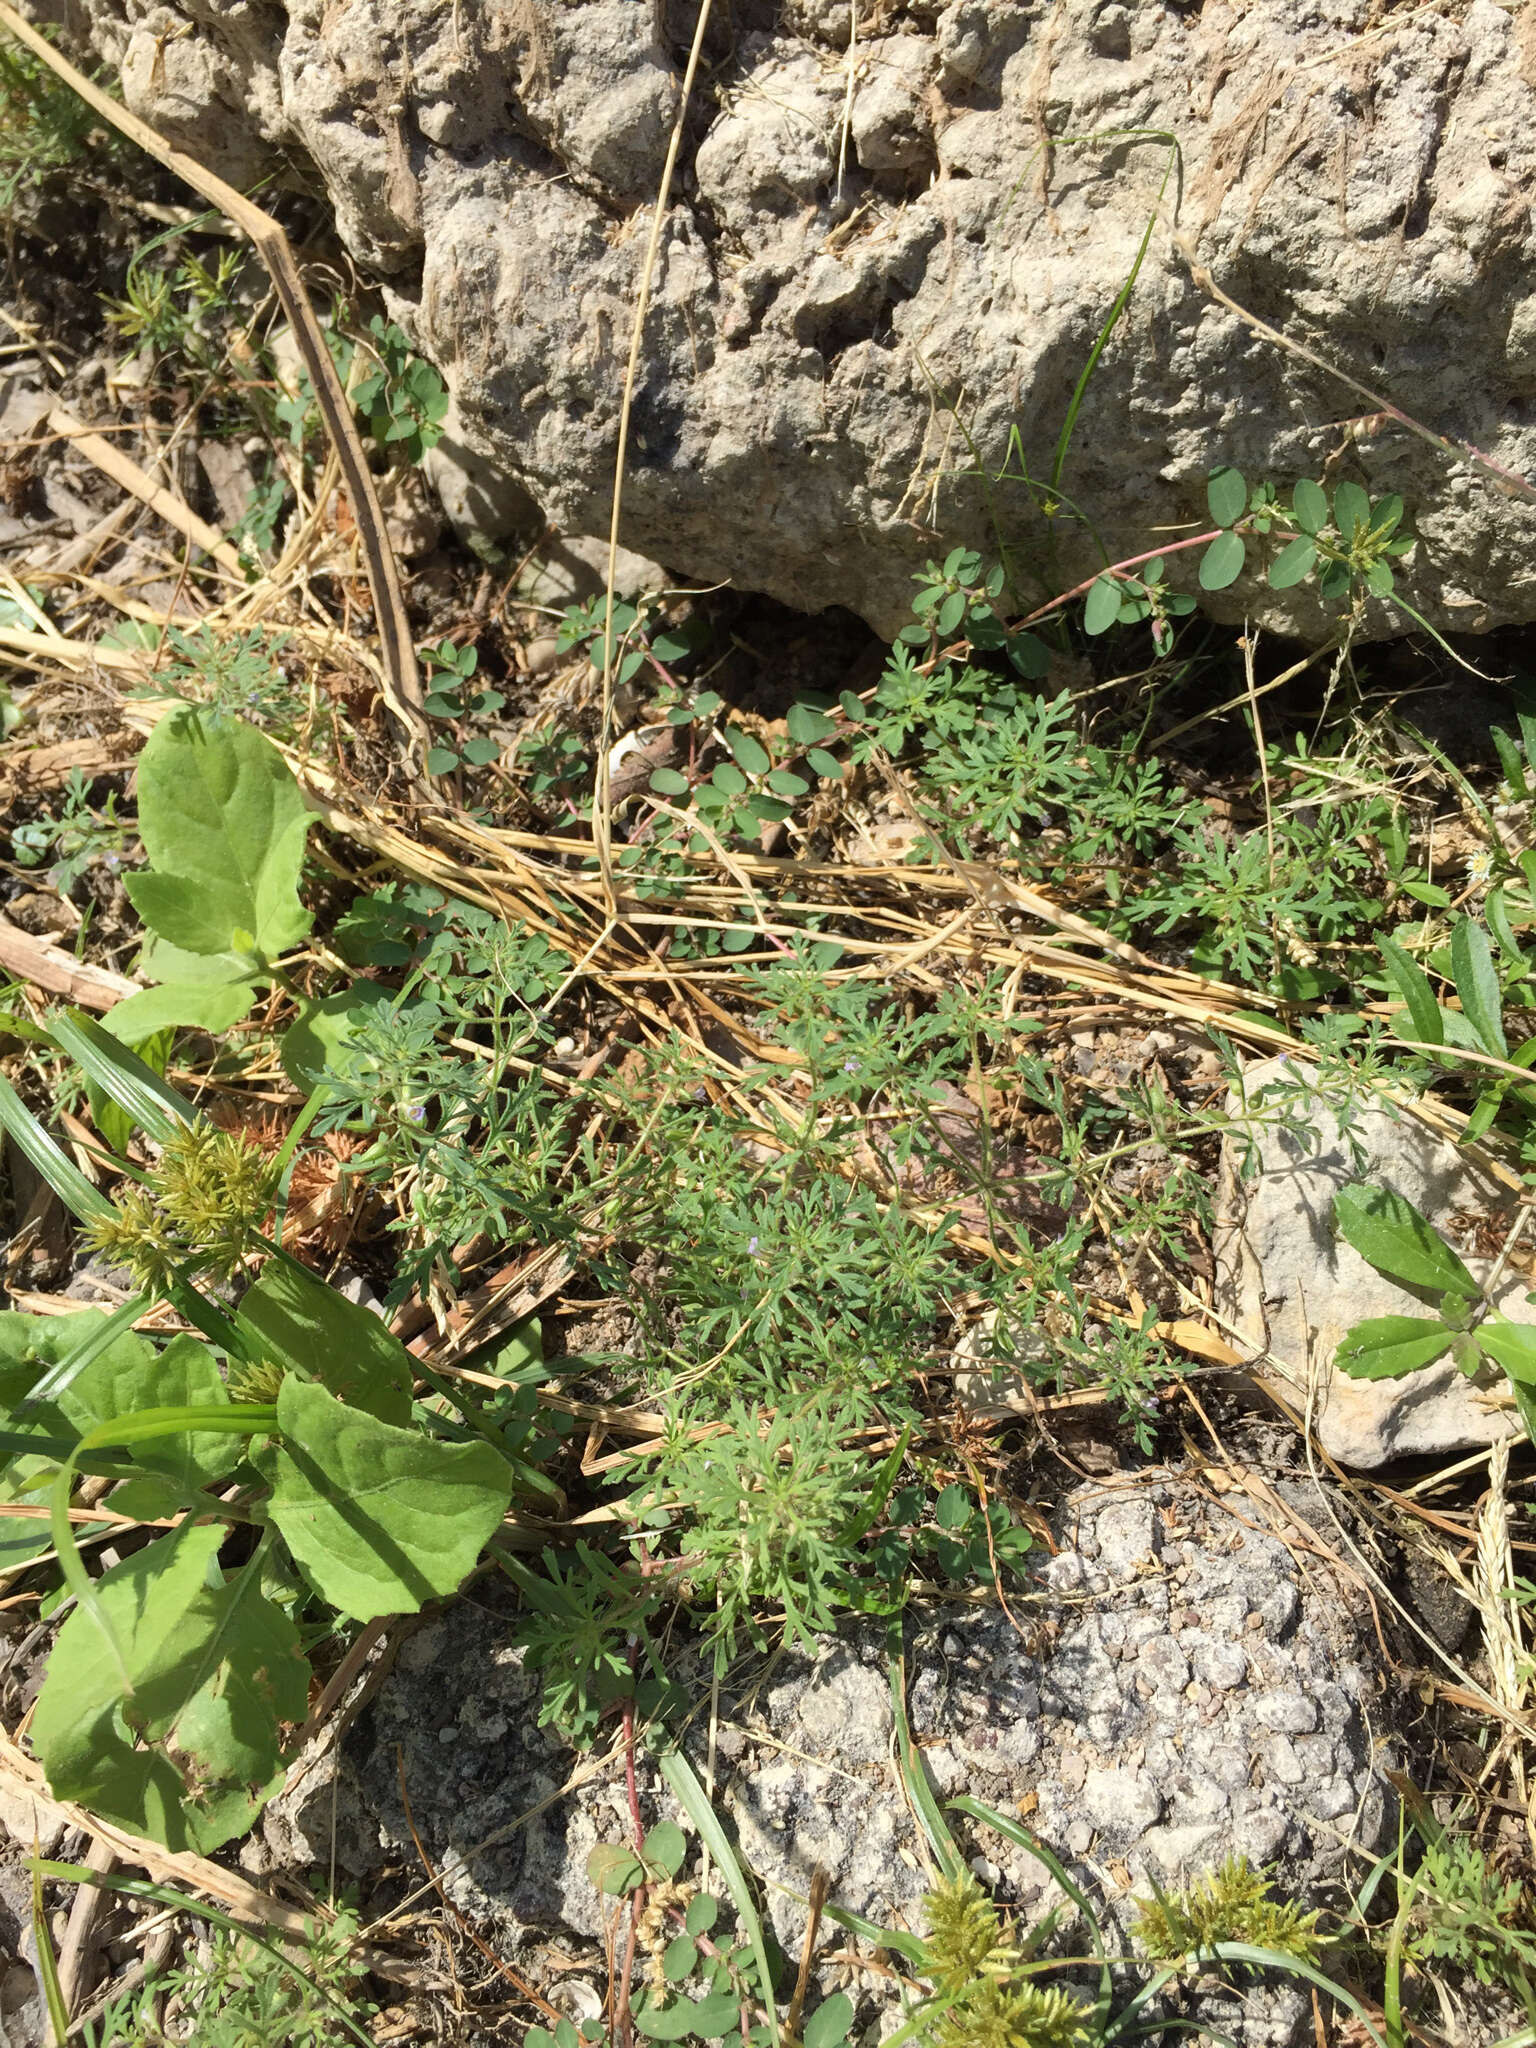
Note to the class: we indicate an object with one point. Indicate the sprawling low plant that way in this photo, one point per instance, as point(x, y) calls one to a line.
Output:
point(280, 1448)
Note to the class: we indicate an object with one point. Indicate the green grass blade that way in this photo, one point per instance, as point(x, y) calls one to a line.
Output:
point(119, 1073)
point(914, 1777)
point(61, 1174)
point(48, 1963)
point(1015, 1832)
point(1272, 1959)
point(694, 1801)
point(896, 1939)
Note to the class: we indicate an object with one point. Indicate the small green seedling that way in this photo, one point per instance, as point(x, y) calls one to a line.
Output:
point(1390, 1234)
point(453, 698)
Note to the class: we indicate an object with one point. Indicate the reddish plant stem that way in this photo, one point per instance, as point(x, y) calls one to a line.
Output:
point(1117, 569)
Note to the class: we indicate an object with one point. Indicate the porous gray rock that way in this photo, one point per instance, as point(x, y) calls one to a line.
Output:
point(1292, 1289)
point(890, 251)
point(1093, 1715)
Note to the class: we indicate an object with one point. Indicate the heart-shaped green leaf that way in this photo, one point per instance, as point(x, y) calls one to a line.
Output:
point(1392, 1236)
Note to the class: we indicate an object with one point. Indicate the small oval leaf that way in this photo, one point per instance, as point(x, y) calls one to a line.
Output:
point(1310, 502)
point(1293, 562)
point(1227, 495)
point(1102, 608)
point(1222, 562)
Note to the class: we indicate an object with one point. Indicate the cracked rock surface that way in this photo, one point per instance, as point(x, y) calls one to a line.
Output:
point(876, 268)
point(1182, 1691)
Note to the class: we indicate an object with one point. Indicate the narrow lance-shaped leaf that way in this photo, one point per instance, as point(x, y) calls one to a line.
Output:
point(1413, 986)
point(1392, 1236)
point(1386, 1347)
point(1477, 983)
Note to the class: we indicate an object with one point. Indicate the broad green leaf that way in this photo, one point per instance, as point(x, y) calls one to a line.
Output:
point(308, 1328)
point(665, 1847)
point(1227, 495)
point(381, 1520)
point(1102, 608)
point(1379, 580)
point(703, 1911)
point(212, 1006)
point(1477, 983)
point(1351, 510)
point(614, 1868)
point(668, 782)
point(1222, 562)
point(320, 1044)
point(40, 1356)
point(952, 1509)
point(1392, 1236)
point(131, 1376)
point(1386, 516)
point(1293, 563)
point(1512, 1345)
point(1413, 986)
point(159, 960)
point(215, 1667)
point(828, 2025)
point(1386, 1347)
point(680, 1958)
point(709, 2019)
point(1310, 502)
point(224, 824)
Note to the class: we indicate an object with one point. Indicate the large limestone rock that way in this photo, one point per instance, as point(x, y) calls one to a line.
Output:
point(876, 271)
point(1293, 1288)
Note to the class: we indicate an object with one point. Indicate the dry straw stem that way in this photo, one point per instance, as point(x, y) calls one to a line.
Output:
point(122, 470)
point(601, 823)
point(401, 681)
